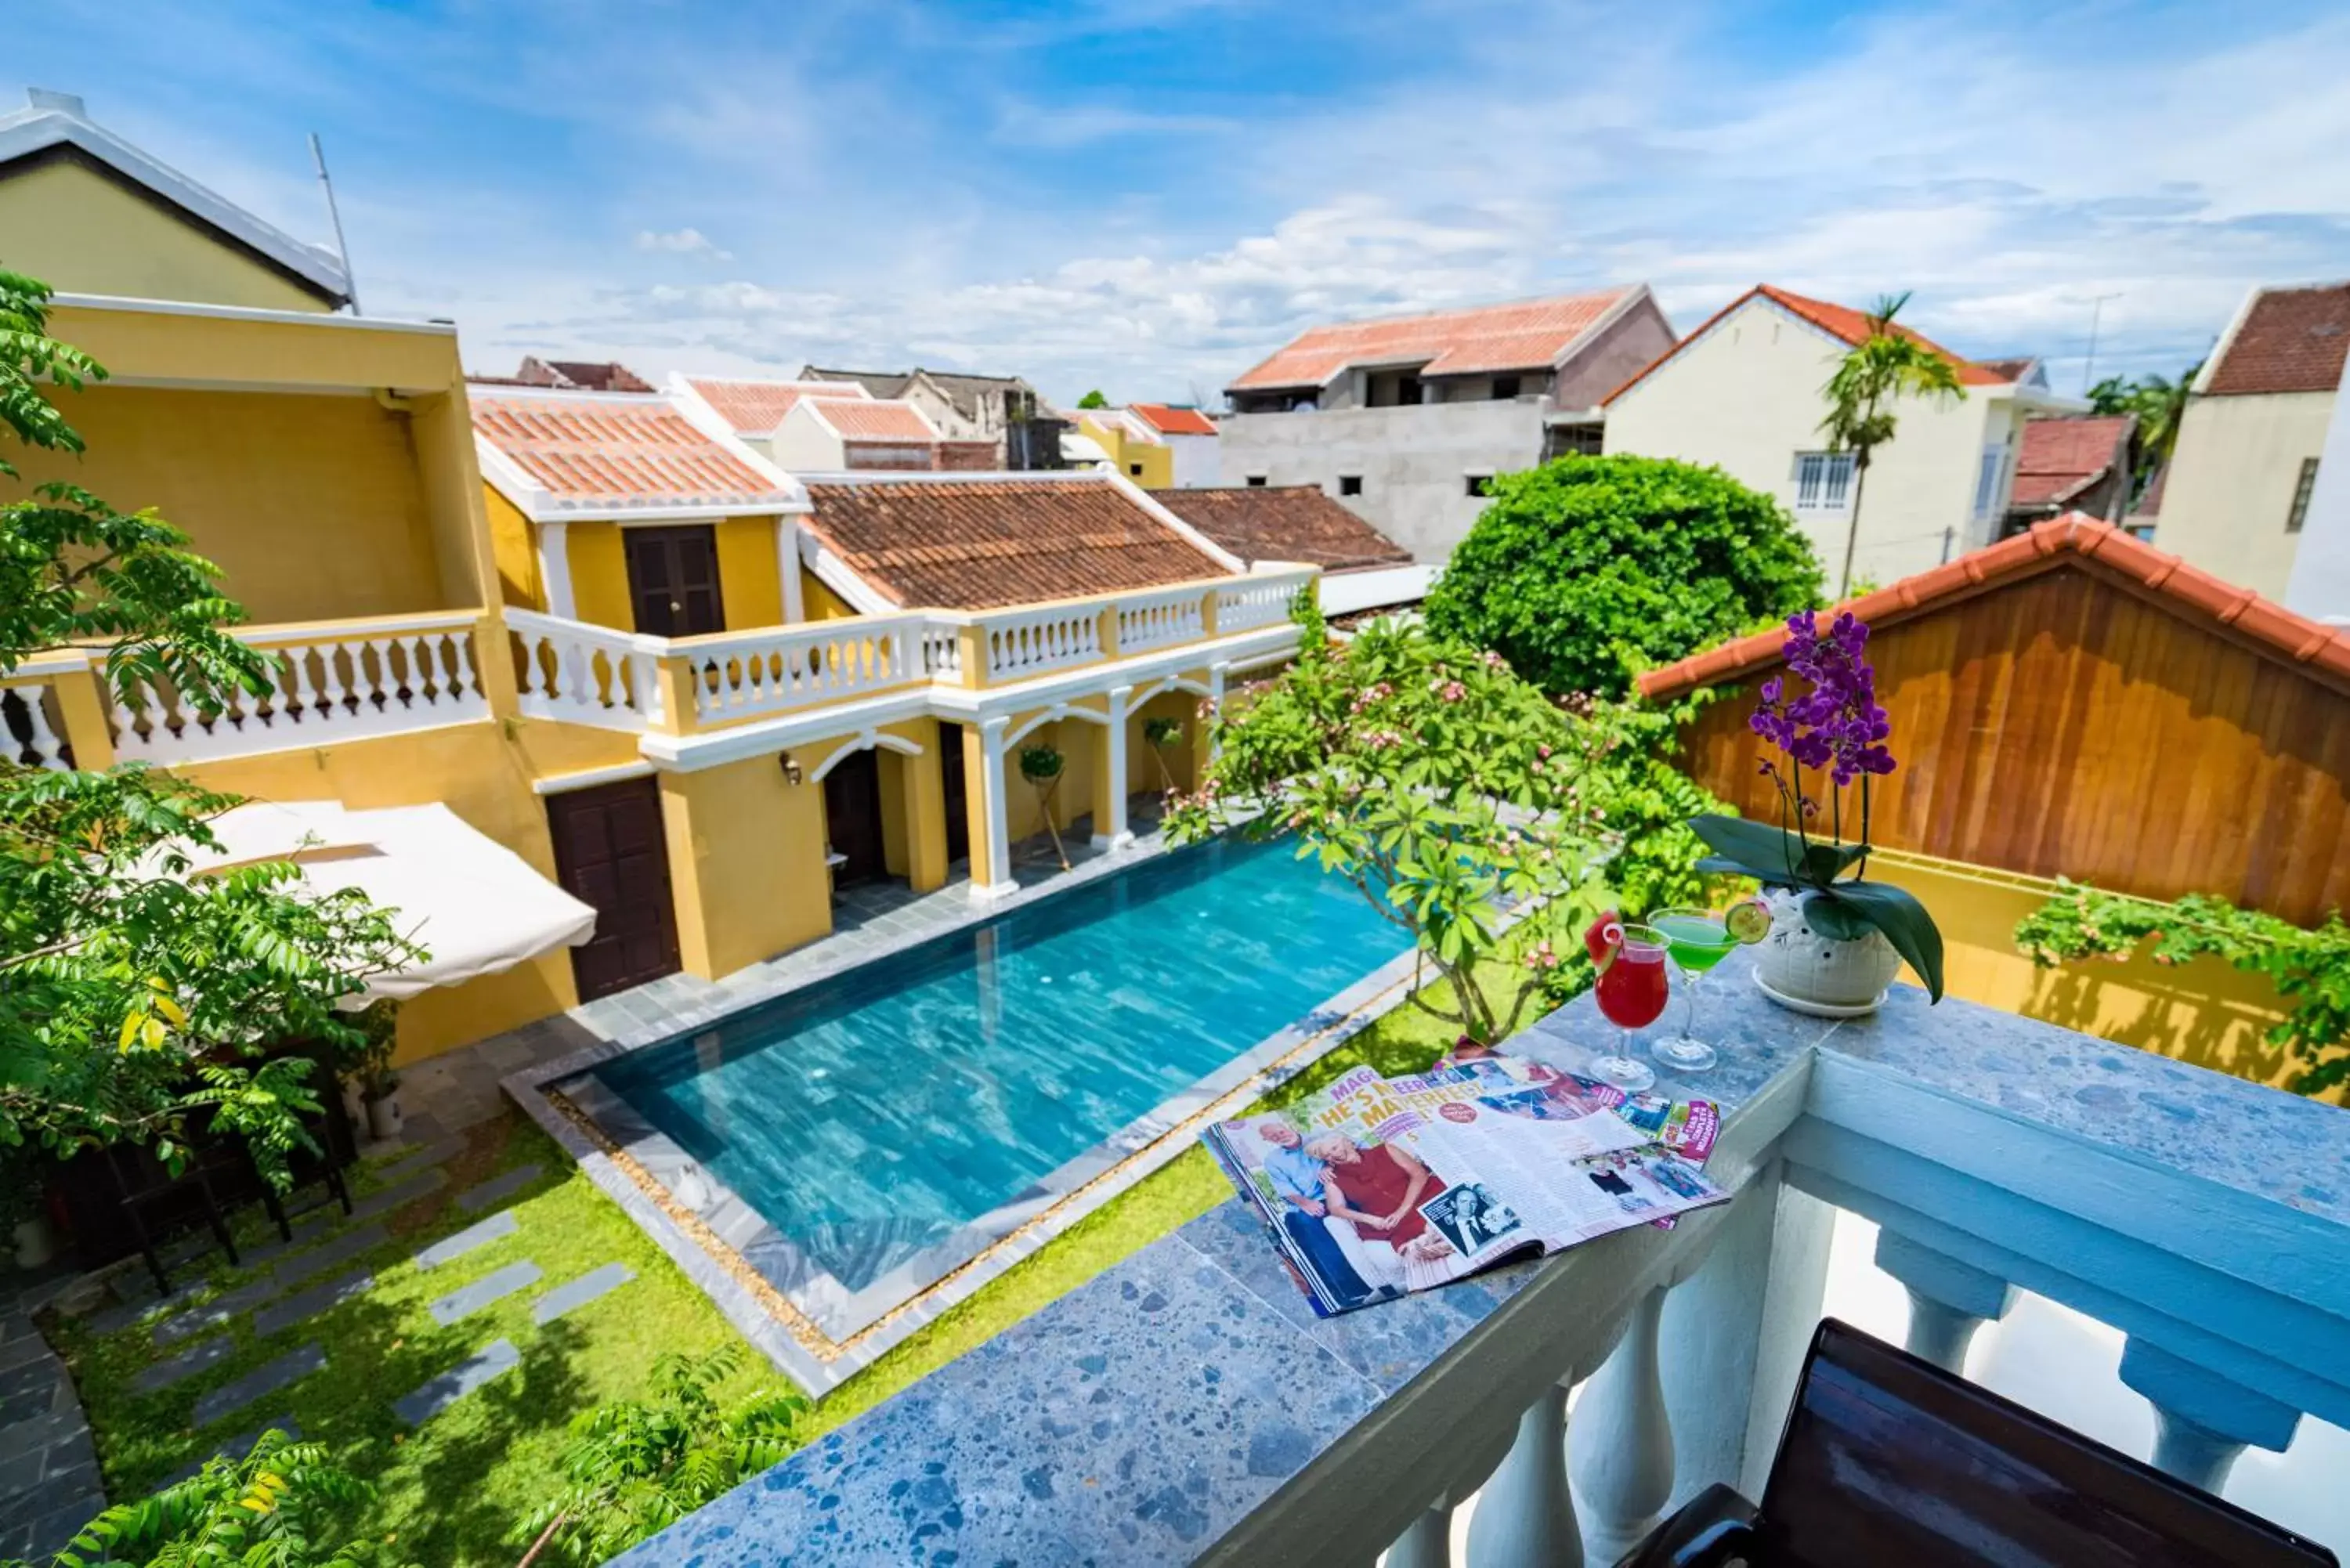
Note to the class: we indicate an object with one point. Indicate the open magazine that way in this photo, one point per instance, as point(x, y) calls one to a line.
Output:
point(1377, 1187)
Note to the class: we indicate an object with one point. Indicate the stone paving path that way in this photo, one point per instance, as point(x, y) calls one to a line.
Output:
point(267, 1379)
point(295, 1271)
point(494, 1360)
point(490, 1289)
point(303, 1306)
point(49, 1484)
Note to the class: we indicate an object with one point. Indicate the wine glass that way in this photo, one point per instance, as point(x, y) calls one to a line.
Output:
point(1698, 940)
point(1631, 994)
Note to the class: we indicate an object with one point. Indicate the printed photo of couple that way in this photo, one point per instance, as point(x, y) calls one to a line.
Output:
point(1643, 1180)
point(1359, 1212)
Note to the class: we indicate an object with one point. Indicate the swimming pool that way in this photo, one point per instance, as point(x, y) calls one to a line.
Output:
point(874, 1116)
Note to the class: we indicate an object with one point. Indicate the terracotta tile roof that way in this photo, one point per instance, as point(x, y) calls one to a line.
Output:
point(983, 543)
point(875, 418)
point(1169, 420)
point(2074, 539)
point(2289, 340)
point(2059, 458)
point(2009, 370)
point(755, 408)
point(592, 448)
point(1841, 322)
point(1529, 335)
point(579, 375)
point(1284, 522)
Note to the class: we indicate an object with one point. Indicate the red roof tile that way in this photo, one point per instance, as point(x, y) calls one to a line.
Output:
point(1838, 321)
point(755, 408)
point(1529, 335)
point(2074, 539)
point(875, 418)
point(590, 449)
point(2289, 340)
point(2060, 457)
point(983, 544)
point(1284, 522)
point(1170, 420)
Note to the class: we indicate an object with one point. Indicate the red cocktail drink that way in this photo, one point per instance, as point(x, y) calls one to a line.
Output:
point(1632, 993)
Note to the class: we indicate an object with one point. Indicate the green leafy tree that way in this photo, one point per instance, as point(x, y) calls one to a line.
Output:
point(2159, 404)
point(637, 1467)
point(283, 1505)
point(1093, 400)
point(134, 997)
point(1584, 570)
point(1870, 382)
point(1450, 791)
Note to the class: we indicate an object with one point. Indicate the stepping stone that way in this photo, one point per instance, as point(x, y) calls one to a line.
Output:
point(499, 1356)
point(491, 1287)
point(410, 1161)
point(580, 1292)
point(187, 1363)
point(305, 1304)
point(236, 1448)
point(341, 1249)
point(498, 1188)
point(307, 1229)
point(392, 1196)
point(213, 1314)
point(267, 1378)
point(121, 1315)
point(496, 1228)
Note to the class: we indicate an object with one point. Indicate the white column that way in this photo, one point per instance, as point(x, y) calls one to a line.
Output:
point(1948, 1300)
point(555, 570)
point(1112, 833)
point(1216, 702)
point(787, 567)
point(998, 880)
point(1622, 1457)
point(2202, 1420)
point(1525, 1515)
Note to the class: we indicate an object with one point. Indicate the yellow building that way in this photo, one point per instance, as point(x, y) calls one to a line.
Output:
point(606, 635)
point(1130, 446)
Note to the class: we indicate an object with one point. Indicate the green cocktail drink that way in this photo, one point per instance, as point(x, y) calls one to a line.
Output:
point(1696, 941)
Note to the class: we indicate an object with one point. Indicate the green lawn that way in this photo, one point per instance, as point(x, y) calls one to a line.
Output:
point(459, 1489)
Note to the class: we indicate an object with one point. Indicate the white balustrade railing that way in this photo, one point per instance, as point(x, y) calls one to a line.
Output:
point(583, 674)
point(751, 674)
point(1247, 603)
point(942, 650)
point(1026, 642)
point(327, 681)
point(31, 734)
point(1160, 619)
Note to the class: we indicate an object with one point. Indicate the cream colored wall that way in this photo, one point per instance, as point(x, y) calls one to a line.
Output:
point(802, 443)
point(1747, 398)
point(314, 507)
point(2231, 483)
point(81, 231)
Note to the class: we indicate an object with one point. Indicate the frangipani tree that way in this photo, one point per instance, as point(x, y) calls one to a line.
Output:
point(1448, 792)
point(1889, 364)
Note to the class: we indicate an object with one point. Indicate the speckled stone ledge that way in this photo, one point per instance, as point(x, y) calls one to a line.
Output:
point(1141, 1416)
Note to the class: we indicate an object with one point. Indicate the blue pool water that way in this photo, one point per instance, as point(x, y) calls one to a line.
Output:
point(869, 1115)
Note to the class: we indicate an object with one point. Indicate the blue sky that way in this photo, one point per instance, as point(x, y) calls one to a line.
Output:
point(1148, 195)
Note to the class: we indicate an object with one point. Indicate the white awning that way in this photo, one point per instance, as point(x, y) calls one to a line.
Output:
point(474, 905)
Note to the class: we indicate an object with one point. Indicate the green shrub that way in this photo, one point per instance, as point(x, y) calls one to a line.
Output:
point(1587, 569)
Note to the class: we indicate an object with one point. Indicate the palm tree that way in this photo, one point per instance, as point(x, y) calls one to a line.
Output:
point(2159, 404)
point(1889, 362)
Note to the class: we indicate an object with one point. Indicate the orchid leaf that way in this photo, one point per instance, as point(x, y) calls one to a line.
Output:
point(1850, 909)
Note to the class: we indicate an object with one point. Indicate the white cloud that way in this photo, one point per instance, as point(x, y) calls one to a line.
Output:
point(688, 242)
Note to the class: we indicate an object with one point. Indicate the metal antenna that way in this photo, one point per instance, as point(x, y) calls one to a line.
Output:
point(342, 246)
point(2089, 370)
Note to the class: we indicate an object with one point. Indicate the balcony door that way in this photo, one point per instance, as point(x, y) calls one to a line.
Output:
point(673, 580)
point(611, 853)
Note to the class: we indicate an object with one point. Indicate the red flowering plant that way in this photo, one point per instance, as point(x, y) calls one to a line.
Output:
point(1831, 742)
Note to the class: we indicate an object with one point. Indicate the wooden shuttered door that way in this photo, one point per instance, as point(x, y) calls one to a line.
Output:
point(610, 854)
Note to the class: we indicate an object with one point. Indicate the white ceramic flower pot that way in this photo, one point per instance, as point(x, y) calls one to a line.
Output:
point(383, 1117)
point(35, 1241)
point(1827, 977)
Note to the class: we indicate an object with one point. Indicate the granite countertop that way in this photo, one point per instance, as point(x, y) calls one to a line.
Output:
point(1142, 1415)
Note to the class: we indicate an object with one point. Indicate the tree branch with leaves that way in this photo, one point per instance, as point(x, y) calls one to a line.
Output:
point(1889, 364)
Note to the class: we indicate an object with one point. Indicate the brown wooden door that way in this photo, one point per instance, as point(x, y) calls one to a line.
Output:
point(673, 580)
point(852, 818)
point(609, 852)
point(952, 791)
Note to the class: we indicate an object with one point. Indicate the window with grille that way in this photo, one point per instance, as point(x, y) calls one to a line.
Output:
point(2303, 489)
point(1822, 481)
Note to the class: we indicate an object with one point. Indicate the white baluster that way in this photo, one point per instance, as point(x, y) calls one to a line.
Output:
point(1948, 1300)
point(337, 694)
point(1525, 1516)
point(1426, 1543)
point(2202, 1420)
point(459, 657)
point(381, 684)
point(413, 683)
point(296, 697)
point(1623, 1465)
point(648, 691)
point(128, 741)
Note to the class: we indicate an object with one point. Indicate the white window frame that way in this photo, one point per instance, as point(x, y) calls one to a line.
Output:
point(1822, 485)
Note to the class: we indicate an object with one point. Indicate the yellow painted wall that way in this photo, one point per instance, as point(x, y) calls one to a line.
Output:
point(1156, 462)
point(314, 507)
point(2203, 1012)
point(748, 585)
point(483, 773)
point(1142, 769)
point(818, 602)
point(515, 543)
point(747, 862)
point(82, 232)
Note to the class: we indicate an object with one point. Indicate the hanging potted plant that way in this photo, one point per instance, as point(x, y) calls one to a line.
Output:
point(1164, 734)
point(1041, 767)
point(1838, 939)
point(378, 1084)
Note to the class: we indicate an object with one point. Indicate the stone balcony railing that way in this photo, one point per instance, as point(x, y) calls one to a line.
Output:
point(1187, 1406)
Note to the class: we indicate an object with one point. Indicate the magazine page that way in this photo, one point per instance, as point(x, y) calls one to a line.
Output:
point(1563, 1197)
